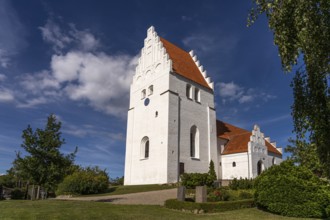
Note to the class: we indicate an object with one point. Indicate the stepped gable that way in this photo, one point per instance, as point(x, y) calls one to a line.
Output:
point(186, 64)
point(238, 139)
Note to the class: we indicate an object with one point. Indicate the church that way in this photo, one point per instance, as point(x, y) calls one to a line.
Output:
point(172, 126)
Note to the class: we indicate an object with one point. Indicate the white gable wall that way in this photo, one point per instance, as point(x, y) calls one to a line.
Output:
point(185, 113)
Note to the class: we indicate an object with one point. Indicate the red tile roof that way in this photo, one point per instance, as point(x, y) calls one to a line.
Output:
point(183, 64)
point(238, 139)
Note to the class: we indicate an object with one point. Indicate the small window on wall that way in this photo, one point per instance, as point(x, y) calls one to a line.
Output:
point(143, 94)
point(189, 91)
point(234, 164)
point(145, 148)
point(197, 95)
point(151, 90)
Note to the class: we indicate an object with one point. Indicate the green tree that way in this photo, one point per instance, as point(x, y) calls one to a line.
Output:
point(44, 164)
point(305, 154)
point(212, 174)
point(301, 30)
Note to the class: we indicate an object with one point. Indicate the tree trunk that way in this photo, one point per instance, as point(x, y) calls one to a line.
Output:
point(32, 192)
point(27, 190)
point(38, 192)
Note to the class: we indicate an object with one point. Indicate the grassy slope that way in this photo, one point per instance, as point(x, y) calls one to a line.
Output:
point(52, 209)
point(119, 190)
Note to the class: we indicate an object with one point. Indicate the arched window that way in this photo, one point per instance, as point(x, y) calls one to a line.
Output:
point(151, 90)
point(234, 164)
point(143, 94)
point(189, 91)
point(197, 95)
point(194, 142)
point(260, 167)
point(273, 161)
point(145, 143)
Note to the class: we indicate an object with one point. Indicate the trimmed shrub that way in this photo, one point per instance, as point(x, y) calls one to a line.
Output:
point(208, 206)
point(292, 190)
point(90, 180)
point(191, 180)
point(245, 195)
point(241, 183)
point(17, 193)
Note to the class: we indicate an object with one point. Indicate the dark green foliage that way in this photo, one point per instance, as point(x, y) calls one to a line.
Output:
point(209, 207)
point(118, 181)
point(301, 30)
point(241, 183)
point(17, 193)
point(212, 174)
point(90, 180)
point(306, 155)
point(7, 181)
point(218, 195)
point(245, 195)
point(191, 180)
point(44, 164)
point(292, 190)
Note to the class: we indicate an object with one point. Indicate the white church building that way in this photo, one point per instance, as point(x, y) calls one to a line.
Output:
point(172, 126)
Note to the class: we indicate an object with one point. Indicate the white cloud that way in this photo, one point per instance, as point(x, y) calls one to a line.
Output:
point(100, 79)
point(53, 34)
point(232, 92)
point(39, 81)
point(12, 33)
point(81, 73)
point(59, 39)
point(6, 95)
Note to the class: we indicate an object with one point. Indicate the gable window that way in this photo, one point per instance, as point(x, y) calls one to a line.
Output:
point(145, 144)
point(143, 94)
point(194, 142)
point(234, 164)
point(151, 90)
point(197, 95)
point(189, 91)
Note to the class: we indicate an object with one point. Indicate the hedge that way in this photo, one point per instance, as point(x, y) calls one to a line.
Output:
point(209, 207)
point(294, 191)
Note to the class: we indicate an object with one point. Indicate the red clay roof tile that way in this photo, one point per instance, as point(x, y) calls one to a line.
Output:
point(238, 139)
point(183, 64)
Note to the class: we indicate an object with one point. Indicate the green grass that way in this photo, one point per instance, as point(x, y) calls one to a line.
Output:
point(54, 209)
point(120, 190)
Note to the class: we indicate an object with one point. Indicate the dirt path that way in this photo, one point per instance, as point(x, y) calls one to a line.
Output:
point(142, 198)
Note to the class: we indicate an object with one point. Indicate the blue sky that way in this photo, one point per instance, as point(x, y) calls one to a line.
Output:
point(76, 59)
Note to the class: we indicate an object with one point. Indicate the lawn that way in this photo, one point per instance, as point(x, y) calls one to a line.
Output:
point(119, 190)
point(53, 209)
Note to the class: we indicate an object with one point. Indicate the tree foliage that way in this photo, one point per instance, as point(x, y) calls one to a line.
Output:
point(292, 190)
point(90, 180)
point(44, 164)
point(212, 174)
point(305, 154)
point(301, 30)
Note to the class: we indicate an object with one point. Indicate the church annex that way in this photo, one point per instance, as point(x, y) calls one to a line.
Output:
point(172, 126)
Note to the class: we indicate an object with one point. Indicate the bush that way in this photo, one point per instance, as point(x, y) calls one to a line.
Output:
point(191, 180)
point(208, 206)
point(241, 183)
point(119, 181)
point(90, 180)
point(245, 195)
point(218, 195)
point(17, 193)
point(292, 190)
